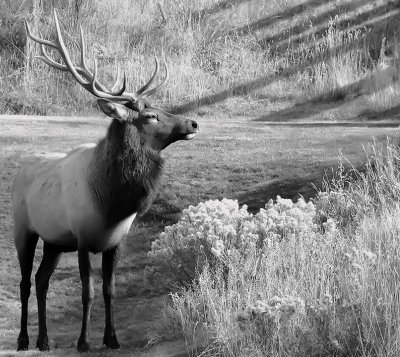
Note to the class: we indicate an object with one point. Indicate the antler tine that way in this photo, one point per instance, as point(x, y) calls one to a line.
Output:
point(81, 73)
point(84, 71)
point(46, 59)
point(124, 84)
point(49, 61)
point(65, 55)
point(101, 94)
point(150, 82)
point(83, 49)
point(38, 39)
point(90, 86)
point(93, 82)
point(114, 87)
point(155, 89)
point(89, 74)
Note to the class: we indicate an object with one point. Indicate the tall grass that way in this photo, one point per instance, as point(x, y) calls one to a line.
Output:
point(321, 292)
point(210, 46)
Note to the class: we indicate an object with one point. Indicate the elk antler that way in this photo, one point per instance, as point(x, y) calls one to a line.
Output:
point(86, 78)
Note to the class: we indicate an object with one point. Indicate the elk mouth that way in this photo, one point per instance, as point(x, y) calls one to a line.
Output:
point(190, 136)
point(190, 130)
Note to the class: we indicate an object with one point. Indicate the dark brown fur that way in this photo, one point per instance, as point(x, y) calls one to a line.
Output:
point(124, 175)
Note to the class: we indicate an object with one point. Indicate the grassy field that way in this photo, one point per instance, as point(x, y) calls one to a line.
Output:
point(231, 157)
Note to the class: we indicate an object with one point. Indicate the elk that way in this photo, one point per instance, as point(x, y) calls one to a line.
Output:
point(88, 199)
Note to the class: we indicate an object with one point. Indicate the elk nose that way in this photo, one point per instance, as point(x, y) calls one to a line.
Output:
point(195, 125)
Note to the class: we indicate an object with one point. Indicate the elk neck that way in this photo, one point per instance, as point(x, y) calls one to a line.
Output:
point(124, 173)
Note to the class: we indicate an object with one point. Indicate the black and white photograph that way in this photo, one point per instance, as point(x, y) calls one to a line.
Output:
point(200, 178)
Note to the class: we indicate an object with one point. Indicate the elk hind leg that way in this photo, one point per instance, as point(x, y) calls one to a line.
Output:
point(109, 263)
point(25, 243)
point(85, 271)
point(51, 257)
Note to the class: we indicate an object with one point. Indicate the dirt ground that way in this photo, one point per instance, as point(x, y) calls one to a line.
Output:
point(220, 163)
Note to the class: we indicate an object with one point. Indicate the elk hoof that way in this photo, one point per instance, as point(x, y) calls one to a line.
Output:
point(23, 343)
point(43, 343)
point(111, 342)
point(82, 346)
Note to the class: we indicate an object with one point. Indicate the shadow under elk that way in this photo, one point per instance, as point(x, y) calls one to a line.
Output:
point(88, 199)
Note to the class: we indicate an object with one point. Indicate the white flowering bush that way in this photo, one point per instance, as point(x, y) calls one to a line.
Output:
point(304, 279)
point(249, 267)
point(219, 232)
point(205, 234)
point(283, 218)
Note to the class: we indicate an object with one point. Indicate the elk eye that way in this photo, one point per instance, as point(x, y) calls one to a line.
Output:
point(152, 117)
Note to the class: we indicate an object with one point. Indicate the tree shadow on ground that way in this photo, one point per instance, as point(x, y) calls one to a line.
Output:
point(218, 7)
point(384, 113)
point(245, 88)
point(303, 30)
point(291, 187)
point(379, 80)
point(378, 17)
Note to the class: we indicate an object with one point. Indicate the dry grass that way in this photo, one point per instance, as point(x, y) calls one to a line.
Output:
point(332, 292)
point(263, 51)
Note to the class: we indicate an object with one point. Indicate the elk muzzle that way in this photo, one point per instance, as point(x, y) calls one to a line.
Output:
point(192, 126)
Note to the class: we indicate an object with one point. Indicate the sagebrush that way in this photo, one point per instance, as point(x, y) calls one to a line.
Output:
point(295, 279)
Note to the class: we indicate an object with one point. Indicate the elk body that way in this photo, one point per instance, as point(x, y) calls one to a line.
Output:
point(87, 200)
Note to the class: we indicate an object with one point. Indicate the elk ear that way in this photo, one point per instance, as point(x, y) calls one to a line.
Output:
point(113, 110)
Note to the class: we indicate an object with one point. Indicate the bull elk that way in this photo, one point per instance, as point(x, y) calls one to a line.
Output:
point(88, 199)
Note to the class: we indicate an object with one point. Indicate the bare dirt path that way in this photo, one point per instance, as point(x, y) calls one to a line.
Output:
point(234, 158)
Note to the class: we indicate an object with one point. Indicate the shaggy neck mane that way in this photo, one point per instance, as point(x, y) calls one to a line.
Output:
point(124, 174)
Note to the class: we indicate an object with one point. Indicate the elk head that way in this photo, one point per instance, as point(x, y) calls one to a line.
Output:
point(155, 126)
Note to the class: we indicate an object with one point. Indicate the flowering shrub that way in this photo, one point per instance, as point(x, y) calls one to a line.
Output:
point(220, 232)
point(244, 267)
point(202, 236)
point(284, 218)
point(324, 275)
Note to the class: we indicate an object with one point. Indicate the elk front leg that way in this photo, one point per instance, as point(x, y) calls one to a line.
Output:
point(85, 271)
point(109, 263)
point(51, 257)
point(26, 253)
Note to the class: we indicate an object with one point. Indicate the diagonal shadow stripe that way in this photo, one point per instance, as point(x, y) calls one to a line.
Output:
point(249, 86)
